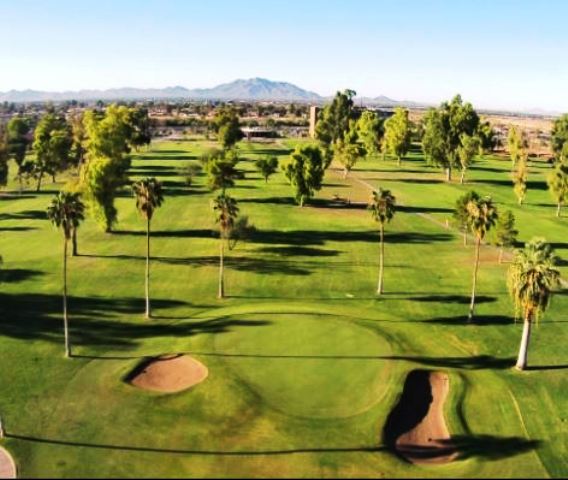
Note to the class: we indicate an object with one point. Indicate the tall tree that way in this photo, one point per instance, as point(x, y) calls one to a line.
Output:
point(444, 129)
point(371, 129)
point(334, 121)
point(222, 170)
point(140, 124)
point(227, 126)
point(18, 141)
point(461, 214)
point(149, 197)
point(532, 279)
point(66, 212)
point(348, 150)
point(505, 232)
point(560, 138)
point(467, 151)
point(79, 137)
point(4, 156)
point(487, 137)
point(226, 213)
point(517, 143)
point(382, 208)
point(558, 184)
point(520, 177)
point(305, 172)
point(52, 145)
point(398, 134)
point(482, 216)
point(267, 167)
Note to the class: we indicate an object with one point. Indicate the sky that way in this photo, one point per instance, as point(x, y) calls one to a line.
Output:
point(510, 54)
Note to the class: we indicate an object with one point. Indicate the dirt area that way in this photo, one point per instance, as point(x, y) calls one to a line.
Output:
point(168, 374)
point(7, 465)
point(416, 428)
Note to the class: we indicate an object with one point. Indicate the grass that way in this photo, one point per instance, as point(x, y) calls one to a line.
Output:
point(305, 363)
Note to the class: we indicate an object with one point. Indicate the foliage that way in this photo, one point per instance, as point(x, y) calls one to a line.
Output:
point(4, 155)
point(382, 206)
point(558, 184)
point(18, 141)
point(241, 230)
point(140, 134)
point(79, 136)
point(560, 138)
point(347, 150)
point(398, 134)
point(221, 170)
point(532, 278)
point(267, 166)
point(517, 143)
point(481, 216)
point(305, 171)
point(149, 196)
point(227, 211)
point(487, 137)
point(520, 177)
point(467, 150)
point(505, 232)
point(190, 171)
point(461, 212)
point(66, 211)
point(371, 129)
point(227, 126)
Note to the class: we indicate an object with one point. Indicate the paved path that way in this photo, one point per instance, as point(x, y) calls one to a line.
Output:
point(7, 465)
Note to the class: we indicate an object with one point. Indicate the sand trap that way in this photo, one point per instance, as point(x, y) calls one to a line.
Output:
point(416, 428)
point(7, 465)
point(168, 374)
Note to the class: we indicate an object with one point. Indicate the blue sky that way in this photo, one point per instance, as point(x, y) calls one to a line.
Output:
point(496, 53)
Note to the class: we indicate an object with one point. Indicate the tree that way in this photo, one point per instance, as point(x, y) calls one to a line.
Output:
point(226, 213)
point(560, 138)
point(227, 126)
point(334, 121)
point(222, 170)
point(267, 166)
point(517, 143)
point(17, 139)
point(467, 151)
point(371, 131)
point(348, 150)
point(520, 178)
point(487, 137)
point(52, 145)
point(4, 156)
point(444, 128)
point(558, 184)
point(398, 134)
point(461, 214)
point(79, 135)
point(66, 212)
point(532, 279)
point(505, 232)
point(305, 172)
point(382, 208)
point(149, 197)
point(140, 134)
point(482, 216)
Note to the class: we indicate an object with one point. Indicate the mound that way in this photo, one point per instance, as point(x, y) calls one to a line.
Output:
point(416, 428)
point(7, 465)
point(168, 374)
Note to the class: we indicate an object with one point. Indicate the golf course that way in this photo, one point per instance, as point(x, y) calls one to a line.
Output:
point(300, 371)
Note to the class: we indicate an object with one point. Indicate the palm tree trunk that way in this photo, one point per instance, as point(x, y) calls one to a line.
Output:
point(524, 349)
point(148, 313)
point(65, 319)
point(448, 174)
point(221, 268)
point(381, 261)
point(475, 268)
point(558, 209)
point(462, 176)
point(75, 251)
point(38, 188)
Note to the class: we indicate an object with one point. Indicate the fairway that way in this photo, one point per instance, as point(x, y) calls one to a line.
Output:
point(305, 363)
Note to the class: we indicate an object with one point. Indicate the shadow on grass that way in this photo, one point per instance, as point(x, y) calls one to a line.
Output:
point(25, 215)
point(93, 320)
point(416, 209)
point(547, 367)
point(17, 229)
point(372, 449)
point(299, 251)
point(478, 320)
point(13, 275)
point(459, 299)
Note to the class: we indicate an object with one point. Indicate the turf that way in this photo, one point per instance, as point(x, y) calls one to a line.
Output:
point(305, 363)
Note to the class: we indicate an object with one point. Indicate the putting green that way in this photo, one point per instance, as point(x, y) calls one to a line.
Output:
point(305, 365)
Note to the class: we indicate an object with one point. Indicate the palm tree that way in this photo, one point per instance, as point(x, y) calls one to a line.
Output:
point(66, 212)
point(149, 197)
point(227, 212)
point(481, 216)
point(382, 208)
point(532, 278)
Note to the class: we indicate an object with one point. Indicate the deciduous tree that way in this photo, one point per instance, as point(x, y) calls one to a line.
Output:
point(305, 172)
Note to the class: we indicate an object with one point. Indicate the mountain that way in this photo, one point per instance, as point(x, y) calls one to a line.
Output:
point(254, 89)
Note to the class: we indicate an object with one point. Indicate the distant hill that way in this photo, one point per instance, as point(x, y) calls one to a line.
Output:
point(254, 89)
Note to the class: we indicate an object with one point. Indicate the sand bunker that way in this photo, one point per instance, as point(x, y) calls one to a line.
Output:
point(7, 465)
point(416, 428)
point(168, 374)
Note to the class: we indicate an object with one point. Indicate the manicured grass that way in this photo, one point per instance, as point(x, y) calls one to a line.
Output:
point(305, 363)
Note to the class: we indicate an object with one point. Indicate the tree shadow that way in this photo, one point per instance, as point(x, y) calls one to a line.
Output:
point(490, 447)
point(25, 215)
point(299, 251)
point(476, 362)
point(478, 320)
point(260, 452)
point(547, 367)
point(415, 209)
point(198, 233)
point(13, 275)
point(459, 299)
point(17, 229)
point(93, 320)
